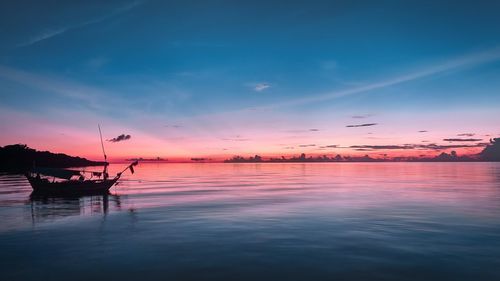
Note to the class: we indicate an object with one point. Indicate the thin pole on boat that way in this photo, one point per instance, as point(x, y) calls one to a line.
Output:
point(105, 172)
point(102, 143)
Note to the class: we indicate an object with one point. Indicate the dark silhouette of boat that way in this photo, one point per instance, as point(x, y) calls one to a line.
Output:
point(54, 181)
point(71, 187)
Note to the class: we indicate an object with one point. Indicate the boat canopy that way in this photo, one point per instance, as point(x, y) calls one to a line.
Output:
point(55, 172)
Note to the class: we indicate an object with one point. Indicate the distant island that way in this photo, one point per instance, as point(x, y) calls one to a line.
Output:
point(202, 160)
point(20, 158)
point(157, 159)
point(491, 153)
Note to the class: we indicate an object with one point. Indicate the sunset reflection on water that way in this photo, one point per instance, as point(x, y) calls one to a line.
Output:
point(383, 221)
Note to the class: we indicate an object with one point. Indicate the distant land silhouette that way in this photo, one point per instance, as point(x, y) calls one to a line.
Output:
point(157, 159)
point(490, 153)
point(20, 158)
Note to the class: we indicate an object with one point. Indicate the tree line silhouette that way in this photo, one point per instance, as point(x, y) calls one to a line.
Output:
point(21, 158)
point(490, 153)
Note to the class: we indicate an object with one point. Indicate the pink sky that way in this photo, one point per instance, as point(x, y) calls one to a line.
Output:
point(220, 136)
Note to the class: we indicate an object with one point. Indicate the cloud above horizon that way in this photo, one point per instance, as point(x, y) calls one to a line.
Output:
point(49, 33)
point(120, 138)
point(261, 87)
point(362, 125)
point(361, 116)
point(173, 126)
point(307, 145)
point(329, 146)
point(431, 146)
point(461, 140)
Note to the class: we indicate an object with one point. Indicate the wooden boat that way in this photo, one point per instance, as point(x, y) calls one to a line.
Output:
point(53, 181)
point(71, 187)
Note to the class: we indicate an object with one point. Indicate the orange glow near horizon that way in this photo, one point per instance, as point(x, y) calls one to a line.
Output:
point(219, 137)
point(117, 153)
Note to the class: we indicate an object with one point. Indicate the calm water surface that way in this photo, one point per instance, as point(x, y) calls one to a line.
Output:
point(332, 221)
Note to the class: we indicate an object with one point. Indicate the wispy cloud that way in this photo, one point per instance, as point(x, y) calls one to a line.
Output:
point(55, 85)
point(90, 96)
point(445, 66)
point(466, 135)
point(50, 33)
point(261, 87)
point(46, 34)
point(362, 125)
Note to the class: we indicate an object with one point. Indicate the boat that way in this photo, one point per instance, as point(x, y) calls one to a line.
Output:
point(54, 181)
point(71, 182)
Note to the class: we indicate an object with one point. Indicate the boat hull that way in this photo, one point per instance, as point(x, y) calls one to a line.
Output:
point(88, 187)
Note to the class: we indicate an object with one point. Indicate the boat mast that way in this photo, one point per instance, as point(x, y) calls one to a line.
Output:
point(105, 172)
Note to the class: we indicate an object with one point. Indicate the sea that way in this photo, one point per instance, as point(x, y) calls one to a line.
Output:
point(268, 221)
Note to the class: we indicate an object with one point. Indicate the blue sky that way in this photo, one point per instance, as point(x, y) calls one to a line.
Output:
point(194, 76)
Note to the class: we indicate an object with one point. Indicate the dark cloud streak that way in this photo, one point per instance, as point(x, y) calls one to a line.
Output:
point(362, 125)
point(120, 138)
point(461, 140)
point(330, 146)
point(431, 146)
point(306, 145)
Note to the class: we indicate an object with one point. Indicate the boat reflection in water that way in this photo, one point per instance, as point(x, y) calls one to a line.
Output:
point(49, 208)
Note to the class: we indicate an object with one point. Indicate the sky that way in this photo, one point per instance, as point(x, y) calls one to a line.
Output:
point(182, 79)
